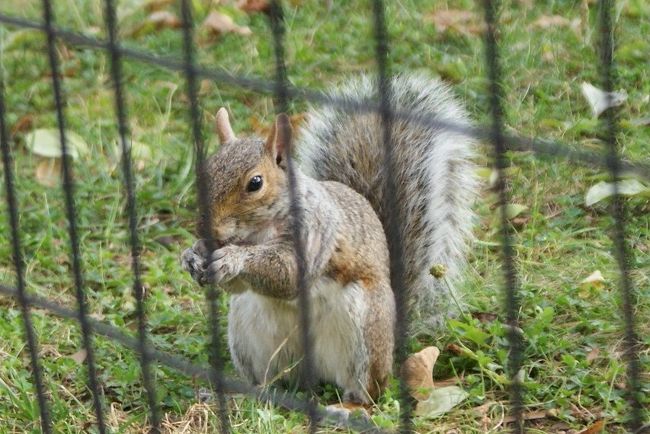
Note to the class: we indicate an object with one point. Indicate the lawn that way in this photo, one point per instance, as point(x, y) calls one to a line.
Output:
point(573, 373)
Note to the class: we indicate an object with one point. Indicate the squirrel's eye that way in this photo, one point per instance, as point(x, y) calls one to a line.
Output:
point(255, 183)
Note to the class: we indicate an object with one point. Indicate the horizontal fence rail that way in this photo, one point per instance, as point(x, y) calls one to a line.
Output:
point(283, 93)
point(513, 142)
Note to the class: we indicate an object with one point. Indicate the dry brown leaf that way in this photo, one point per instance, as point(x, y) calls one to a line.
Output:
point(156, 5)
point(593, 354)
point(156, 21)
point(205, 87)
point(23, 124)
point(546, 21)
point(594, 428)
point(417, 371)
point(466, 22)
point(218, 23)
point(484, 317)
point(252, 6)
point(48, 172)
point(162, 19)
point(79, 356)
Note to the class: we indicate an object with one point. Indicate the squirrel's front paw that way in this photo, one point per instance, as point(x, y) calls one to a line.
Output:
point(193, 261)
point(227, 263)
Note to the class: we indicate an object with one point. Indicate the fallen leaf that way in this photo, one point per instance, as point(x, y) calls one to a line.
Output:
point(141, 154)
point(218, 23)
point(550, 21)
point(593, 354)
point(252, 6)
point(641, 122)
point(440, 401)
point(546, 21)
point(23, 124)
point(512, 210)
point(599, 100)
point(626, 187)
point(79, 356)
point(594, 428)
point(417, 372)
point(484, 317)
point(465, 22)
point(156, 21)
point(594, 279)
point(163, 19)
point(48, 172)
point(156, 5)
point(520, 221)
point(45, 143)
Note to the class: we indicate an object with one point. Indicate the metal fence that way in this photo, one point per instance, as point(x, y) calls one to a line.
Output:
point(284, 93)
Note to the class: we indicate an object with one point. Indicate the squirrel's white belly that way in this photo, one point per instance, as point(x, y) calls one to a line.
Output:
point(265, 339)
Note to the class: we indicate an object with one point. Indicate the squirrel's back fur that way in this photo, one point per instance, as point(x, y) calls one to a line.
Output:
point(435, 176)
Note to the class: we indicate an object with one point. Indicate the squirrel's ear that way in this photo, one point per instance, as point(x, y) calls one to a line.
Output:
point(279, 140)
point(224, 130)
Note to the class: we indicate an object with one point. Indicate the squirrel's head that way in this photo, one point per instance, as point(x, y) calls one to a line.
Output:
point(247, 182)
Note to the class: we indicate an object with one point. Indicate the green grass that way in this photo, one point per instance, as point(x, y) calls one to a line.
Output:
point(559, 241)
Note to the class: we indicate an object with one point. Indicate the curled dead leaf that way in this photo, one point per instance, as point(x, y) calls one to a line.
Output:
point(550, 21)
point(593, 354)
point(217, 23)
point(48, 172)
point(163, 19)
point(546, 21)
point(79, 356)
point(417, 371)
point(23, 124)
point(157, 20)
point(252, 6)
point(594, 428)
point(463, 21)
point(156, 5)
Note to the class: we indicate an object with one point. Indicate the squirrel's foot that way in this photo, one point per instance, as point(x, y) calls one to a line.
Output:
point(227, 263)
point(193, 261)
point(340, 414)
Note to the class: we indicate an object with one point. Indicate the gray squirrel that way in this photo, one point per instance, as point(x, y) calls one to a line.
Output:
point(341, 191)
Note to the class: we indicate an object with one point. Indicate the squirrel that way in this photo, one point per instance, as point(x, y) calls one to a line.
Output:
point(341, 193)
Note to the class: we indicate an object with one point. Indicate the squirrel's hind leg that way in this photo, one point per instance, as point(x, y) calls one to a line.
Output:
point(353, 340)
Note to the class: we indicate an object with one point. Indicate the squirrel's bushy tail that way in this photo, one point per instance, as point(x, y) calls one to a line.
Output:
point(434, 176)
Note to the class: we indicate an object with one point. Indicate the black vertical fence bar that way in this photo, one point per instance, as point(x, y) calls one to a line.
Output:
point(12, 205)
point(212, 295)
point(276, 17)
point(393, 196)
point(617, 209)
point(138, 290)
point(515, 339)
point(68, 189)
